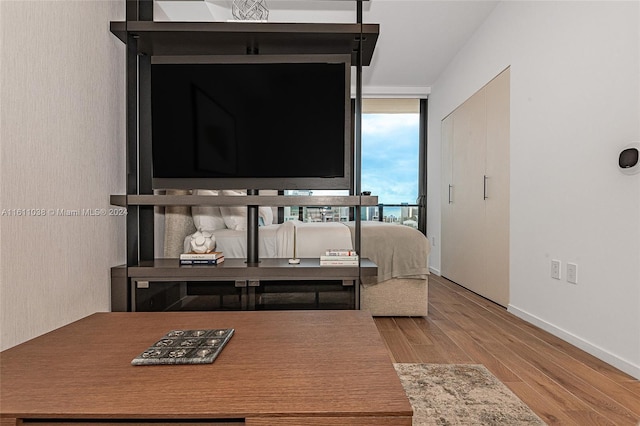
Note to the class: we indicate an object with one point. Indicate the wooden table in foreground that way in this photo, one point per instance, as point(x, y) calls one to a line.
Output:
point(279, 368)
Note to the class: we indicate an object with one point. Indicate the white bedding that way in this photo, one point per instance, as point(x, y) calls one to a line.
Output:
point(233, 243)
point(311, 240)
point(398, 251)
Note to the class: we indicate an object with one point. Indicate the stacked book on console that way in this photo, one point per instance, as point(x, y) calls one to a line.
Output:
point(212, 258)
point(339, 257)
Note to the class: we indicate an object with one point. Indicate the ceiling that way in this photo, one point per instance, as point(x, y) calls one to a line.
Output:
point(418, 38)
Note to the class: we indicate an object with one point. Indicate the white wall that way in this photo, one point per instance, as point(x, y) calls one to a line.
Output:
point(575, 101)
point(62, 134)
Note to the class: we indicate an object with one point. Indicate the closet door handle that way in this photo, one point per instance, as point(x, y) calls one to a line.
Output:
point(485, 187)
point(450, 186)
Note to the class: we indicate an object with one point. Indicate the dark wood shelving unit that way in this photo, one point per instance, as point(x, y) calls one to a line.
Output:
point(148, 41)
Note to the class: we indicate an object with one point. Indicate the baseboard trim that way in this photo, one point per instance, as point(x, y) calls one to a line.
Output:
point(604, 355)
point(435, 271)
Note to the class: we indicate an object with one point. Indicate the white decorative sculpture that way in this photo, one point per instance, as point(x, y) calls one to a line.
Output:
point(202, 242)
point(250, 10)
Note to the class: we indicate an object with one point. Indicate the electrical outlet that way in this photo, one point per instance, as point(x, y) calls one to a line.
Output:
point(572, 273)
point(555, 269)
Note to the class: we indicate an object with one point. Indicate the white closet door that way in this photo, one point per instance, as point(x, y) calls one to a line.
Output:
point(475, 210)
point(468, 203)
point(463, 230)
point(497, 203)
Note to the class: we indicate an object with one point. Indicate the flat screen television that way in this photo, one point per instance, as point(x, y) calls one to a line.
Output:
point(254, 122)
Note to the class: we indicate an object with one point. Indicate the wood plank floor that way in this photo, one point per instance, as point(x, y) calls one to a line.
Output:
point(561, 383)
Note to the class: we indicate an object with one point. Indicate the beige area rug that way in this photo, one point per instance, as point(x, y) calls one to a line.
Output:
point(461, 394)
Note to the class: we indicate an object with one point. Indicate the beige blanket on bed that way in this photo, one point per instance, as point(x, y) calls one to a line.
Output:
point(399, 251)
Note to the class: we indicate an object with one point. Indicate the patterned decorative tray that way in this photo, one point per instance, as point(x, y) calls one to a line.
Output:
point(186, 347)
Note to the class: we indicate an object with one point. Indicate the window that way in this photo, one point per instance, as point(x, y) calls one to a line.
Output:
point(391, 159)
point(392, 167)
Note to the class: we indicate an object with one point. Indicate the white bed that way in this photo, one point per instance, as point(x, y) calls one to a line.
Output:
point(401, 253)
point(277, 240)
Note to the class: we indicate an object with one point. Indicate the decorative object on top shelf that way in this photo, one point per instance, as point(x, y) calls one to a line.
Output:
point(250, 10)
point(202, 242)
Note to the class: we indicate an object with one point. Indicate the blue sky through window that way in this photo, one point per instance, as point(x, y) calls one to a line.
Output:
point(390, 148)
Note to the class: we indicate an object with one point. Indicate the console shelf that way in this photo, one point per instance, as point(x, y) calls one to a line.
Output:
point(272, 269)
point(248, 200)
point(240, 38)
point(162, 284)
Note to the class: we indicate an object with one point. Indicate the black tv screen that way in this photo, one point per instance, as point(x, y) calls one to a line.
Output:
point(251, 125)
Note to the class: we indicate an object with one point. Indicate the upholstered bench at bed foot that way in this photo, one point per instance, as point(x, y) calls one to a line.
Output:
point(396, 298)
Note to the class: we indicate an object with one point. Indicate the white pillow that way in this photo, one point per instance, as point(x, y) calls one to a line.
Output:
point(266, 213)
point(235, 217)
point(207, 218)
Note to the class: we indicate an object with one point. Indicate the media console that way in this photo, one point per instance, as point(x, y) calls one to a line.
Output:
point(162, 284)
